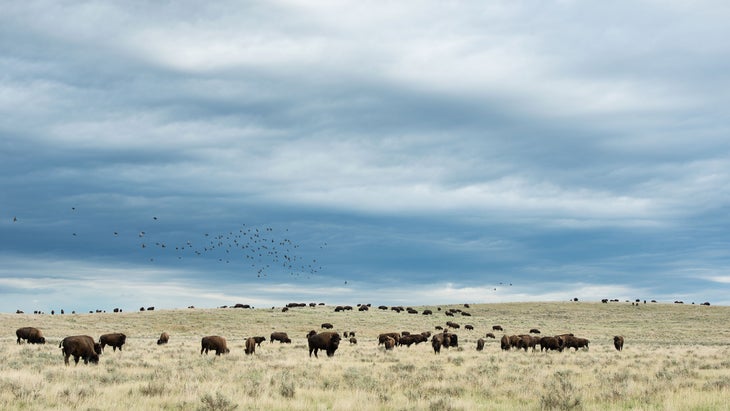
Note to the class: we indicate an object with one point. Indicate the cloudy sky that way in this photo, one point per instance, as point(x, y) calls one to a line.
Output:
point(175, 154)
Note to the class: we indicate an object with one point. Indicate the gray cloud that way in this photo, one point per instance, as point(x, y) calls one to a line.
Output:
point(428, 142)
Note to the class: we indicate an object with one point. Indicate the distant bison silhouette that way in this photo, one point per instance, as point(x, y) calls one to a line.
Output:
point(490, 335)
point(480, 344)
point(534, 331)
point(30, 334)
point(327, 326)
point(497, 328)
point(215, 343)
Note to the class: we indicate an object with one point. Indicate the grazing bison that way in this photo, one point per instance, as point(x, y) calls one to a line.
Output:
point(214, 342)
point(504, 343)
point(480, 344)
point(31, 334)
point(327, 340)
point(570, 341)
point(551, 343)
point(327, 326)
point(490, 335)
point(389, 343)
point(115, 340)
point(534, 331)
point(468, 327)
point(384, 336)
point(497, 328)
point(444, 340)
point(427, 312)
point(250, 346)
point(164, 338)
point(282, 337)
point(353, 340)
point(618, 342)
point(527, 341)
point(80, 346)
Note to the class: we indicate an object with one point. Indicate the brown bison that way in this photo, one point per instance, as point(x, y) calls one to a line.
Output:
point(618, 342)
point(326, 340)
point(282, 337)
point(504, 342)
point(384, 336)
point(115, 340)
point(389, 343)
point(353, 340)
point(480, 344)
point(497, 328)
point(444, 340)
point(214, 342)
point(31, 335)
point(250, 346)
point(534, 331)
point(80, 346)
point(551, 343)
point(260, 339)
point(490, 335)
point(164, 338)
point(327, 326)
point(527, 341)
point(570, 341)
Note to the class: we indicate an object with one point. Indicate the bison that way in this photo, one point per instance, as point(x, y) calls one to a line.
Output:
point(80, 346)
point(353, 340)
point(214, 342)
point(497, 328)
point(260, 339)
point(164, 338)
point(31, 334)
point(389, 343)
point(570, 341)
point(480, 344)
point(115, 340)
point(527, 341)
point(327, 340)
point(384, 336)
point(504, 343)
point(551, 343)
point(250, 346)
point(618, 342)
point(490, 335)
point(534, 331)
point(282, 337)
point(327, 326)
point(444, 340)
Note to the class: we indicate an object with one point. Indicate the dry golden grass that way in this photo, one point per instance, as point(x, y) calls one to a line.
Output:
point(676, 357)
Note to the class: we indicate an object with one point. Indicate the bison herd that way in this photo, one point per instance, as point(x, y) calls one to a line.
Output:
point(84, 347)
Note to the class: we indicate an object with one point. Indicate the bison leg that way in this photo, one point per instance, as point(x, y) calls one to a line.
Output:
point(65, 358)
point(76, 359)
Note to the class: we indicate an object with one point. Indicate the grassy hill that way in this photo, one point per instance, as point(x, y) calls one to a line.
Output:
point(675, 357)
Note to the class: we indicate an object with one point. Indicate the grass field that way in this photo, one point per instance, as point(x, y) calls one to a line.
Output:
point(676, 357)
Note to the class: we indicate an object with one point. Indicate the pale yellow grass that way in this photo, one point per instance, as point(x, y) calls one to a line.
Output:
point(675, 358)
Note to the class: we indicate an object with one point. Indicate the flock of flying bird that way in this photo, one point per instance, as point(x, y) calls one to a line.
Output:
point(261, 250)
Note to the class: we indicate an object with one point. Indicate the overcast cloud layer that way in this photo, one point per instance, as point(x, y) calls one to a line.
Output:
point(402, 152)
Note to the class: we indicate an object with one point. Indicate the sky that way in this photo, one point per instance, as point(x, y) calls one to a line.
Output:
point(171, 154)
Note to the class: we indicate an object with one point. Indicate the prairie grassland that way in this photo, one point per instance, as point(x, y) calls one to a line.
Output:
point(676, 357)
